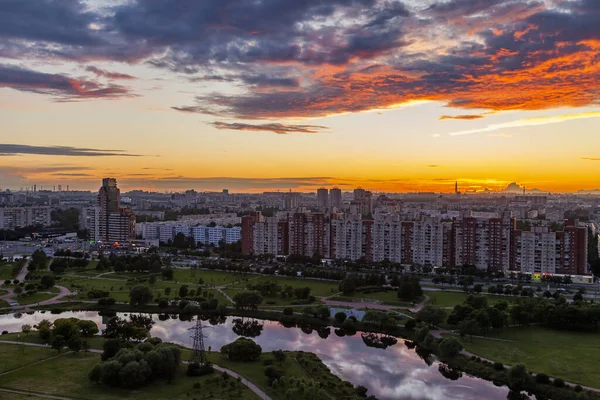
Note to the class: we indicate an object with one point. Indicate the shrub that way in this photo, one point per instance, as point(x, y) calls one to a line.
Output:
point(578, 388)
point(195, 369)
point(559, 383)
point(288, 311)
point(498, 366)
point(340, 316)
point(542, 379)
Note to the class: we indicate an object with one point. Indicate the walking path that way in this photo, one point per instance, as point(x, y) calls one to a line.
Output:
point(41, 395)
point(24, 271)
point(255, 389)
point(245, 381)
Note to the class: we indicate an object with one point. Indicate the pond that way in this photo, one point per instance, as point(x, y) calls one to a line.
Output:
point(390, 373)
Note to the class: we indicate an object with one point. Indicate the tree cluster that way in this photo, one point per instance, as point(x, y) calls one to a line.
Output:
point(475, 316)
point(131, 263)
point(39, 261)
point(247, 300)
point(136, 328)
point(70, 332)
point(59, 265)
point(409, 288)
point(242, 349)
point(132, 368)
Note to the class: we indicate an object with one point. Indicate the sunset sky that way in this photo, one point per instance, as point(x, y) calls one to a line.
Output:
point(256, 95)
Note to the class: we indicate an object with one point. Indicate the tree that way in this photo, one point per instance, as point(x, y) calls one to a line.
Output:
point(450, 347)
point(348, 285)
point(96, 373)
point(26, 329)
point(18, 290)
point(279, 356)
point(47, 281)
point(183, 291)
point(247, 300)
point(58, 342)
point(140, 295)
point(111, 348)
point(242, 350)
point(409, 289)
point(74, 343)
point(432, 315)
point(518, 378)
point(87, 328)
point(85, 347)
point(340, 316)
point(44, 328)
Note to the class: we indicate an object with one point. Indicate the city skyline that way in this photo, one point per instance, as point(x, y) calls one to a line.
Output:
point(389, 96)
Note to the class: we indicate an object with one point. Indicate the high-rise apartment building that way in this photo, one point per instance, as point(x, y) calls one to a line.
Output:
point(335, 198)
point(540, 251)
point(483, 242)
point(115, 223)
point(322, 198)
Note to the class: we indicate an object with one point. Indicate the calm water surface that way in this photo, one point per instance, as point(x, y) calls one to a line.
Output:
point(393, 373)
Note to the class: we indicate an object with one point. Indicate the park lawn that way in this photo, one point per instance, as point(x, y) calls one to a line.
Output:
point(34, 298)
point(572, 356)
point(254, 371)
point(3, 292)
point(14, 356)
point(317, 288)
point(6, 271)
point(276, 301)
point(298, 365)
point(450, 299)
point(101, 284)
point(210, 278)
point(95, 342)
point(389, 297)
point(4, 304)
point(67, 375)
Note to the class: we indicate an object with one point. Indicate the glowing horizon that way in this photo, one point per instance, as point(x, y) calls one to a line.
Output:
point(398, 96)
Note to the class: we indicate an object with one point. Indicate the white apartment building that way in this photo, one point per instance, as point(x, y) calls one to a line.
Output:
point(347, 237)
point(266, 236)
point(166, 231)
point(428, 241)
point(20, 217)
point(386, 237)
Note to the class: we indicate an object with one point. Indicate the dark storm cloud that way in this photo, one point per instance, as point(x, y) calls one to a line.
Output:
point(64, 88)
point(314, 58)
point(58, 21)
point(11, 149)
point(280, 129)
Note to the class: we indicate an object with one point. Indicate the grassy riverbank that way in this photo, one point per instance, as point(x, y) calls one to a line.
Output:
point(572, 356)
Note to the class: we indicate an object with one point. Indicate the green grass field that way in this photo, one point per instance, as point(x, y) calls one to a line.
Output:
point(34, 298)
point(14, 356)
point(4, 304)
point(450, 299)
point(67, 375)
point(6, 271)
point(317, 288)
point(572, 356)
point(95, 342)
